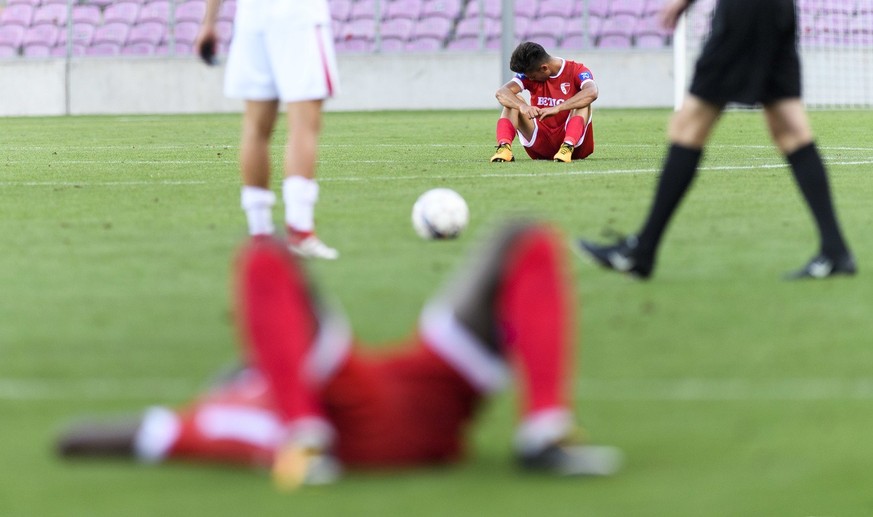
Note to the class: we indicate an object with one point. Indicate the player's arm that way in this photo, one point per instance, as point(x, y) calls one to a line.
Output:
point(507, 96)
point(207, 39)
point(671, 12)
point(583, 98)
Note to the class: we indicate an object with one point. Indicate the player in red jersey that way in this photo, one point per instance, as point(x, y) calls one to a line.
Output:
point(309, 401)
point(556, 123)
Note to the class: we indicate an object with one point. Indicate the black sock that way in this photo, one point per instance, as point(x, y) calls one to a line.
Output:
point(678, 171)
point(809, 172)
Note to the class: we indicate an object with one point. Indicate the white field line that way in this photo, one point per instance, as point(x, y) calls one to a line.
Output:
point(280, 145)
point(351, 179)
point(663, 390)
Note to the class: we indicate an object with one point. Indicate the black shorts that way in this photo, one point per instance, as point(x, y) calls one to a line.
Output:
point(751, 55)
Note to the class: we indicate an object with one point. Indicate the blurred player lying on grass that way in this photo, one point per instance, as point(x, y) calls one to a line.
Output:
point(308, 401)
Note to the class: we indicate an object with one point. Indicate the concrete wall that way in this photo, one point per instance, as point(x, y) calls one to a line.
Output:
point(368, 82)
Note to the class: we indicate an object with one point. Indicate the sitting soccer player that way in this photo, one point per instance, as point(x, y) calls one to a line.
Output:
point(308, 401)
point(556, 124)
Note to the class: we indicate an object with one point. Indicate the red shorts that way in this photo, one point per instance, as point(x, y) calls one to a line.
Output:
point(548, 140)
point(406, 408)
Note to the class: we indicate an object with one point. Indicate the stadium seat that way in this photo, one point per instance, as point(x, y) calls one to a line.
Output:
point(362, 29)
point(11, 36)
point(103, 49)
point(435, 27)
point(151, 33)
point(653, 7)
point(179, 49)
point(406, 9)
point(616, 41)
point(83, 34)
point(563, 8)
point(8, 52)
point(186, 32)
point(363, 10)
point(577, 41)
point(17, 14)
point(619, 25)
point(548, 41)
point(190, 11)
point(227, 11)
point(61, 50)
point(424, 44)
point(862, 23)
point(99, 3)
point(631, 7)
point(650, 41)
point(57, 2)
point(650, 26)
point(398, 29)
point(469, 28)
point(36, 50)
point(157, 11)
point(224, 29)
point(464, 43)
point(527, 9)
point(53, 14)
point(89, 14)
point(122, 12)
point(490, 9)
point(544, 27)
point(114, 33)
point(138, 49)
point(354, 45)
point(41, 35)
point(340, 9)
point(864, 7)
point(450, 9)
point(32, 3)
point(598, 8)
point(833, 22)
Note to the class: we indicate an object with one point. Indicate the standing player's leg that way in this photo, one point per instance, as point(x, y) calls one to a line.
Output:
point(279, 327)
point(789, 126)
point(513, 304)
point(257, 198)
point(300, 189)
point(689, 130)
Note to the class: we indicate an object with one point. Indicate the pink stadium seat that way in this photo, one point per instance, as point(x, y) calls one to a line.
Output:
point(17, 14)
point(631, 7)
point(32, 3)
point(121, 12)
point(112, 33)
point(186, 32)
point(464, 43)
point(363, 10)
point(227, 11)
point(598, 8)
point(61, 2)
point(36, 50)
point(190, 11)
point(340, 9)
point(362, 29)
point(355, 45)
point(103, 49)
point(490, 9)
point(180, 49)
point(576, 41)
point(614, 41)
point(54, 14)
point(548, 41)
point(469, 27)
point(556, 8)
point(392, 45)
point(837, 23)
point(61, 51)
point(653, 7)
point(224, 29)
point(138, 49)
point(546, 26)
point(11, 35)
point(650, 41)
point(7, 52)
point(575, 26)
point(83, 34)
point(157, 11)
point(424, 44)
point(862, 23)
point(408, 9)
point(397, 29)
point(864, 6)
point(527, 9)
point(87, 14)
point(150, 33)
point(619, 25)
point(435, 27)
point(650, 25)
point(450, 9)
point(41, 35)
point(99, 3)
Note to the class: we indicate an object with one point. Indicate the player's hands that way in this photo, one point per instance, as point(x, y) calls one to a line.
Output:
point(529, 112)
point(549, 112)
point(671, 12)
point(206, 44)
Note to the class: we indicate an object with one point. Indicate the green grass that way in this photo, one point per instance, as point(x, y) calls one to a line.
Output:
point(731, 391)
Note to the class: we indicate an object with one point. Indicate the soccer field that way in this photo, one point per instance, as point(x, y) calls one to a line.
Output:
point(730, 391)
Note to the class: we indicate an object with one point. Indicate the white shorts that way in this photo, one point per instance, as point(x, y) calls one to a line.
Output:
point(275, 58)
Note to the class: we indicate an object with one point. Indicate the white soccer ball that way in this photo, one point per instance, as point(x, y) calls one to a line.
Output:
point(440, 213)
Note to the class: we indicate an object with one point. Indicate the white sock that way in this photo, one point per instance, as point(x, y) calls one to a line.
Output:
point(300, 195)
point(258, 205)
point(539, 430)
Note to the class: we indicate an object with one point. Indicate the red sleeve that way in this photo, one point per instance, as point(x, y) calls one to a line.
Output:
point(581, 74)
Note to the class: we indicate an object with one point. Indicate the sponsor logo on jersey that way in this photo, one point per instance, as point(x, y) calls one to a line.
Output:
point(548, 102)
point(565, 88)
point(584, 76)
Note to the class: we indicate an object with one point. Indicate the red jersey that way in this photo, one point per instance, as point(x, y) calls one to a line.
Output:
point(556, 90)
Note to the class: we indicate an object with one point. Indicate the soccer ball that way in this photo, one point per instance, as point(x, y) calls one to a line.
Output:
point(440, 213)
